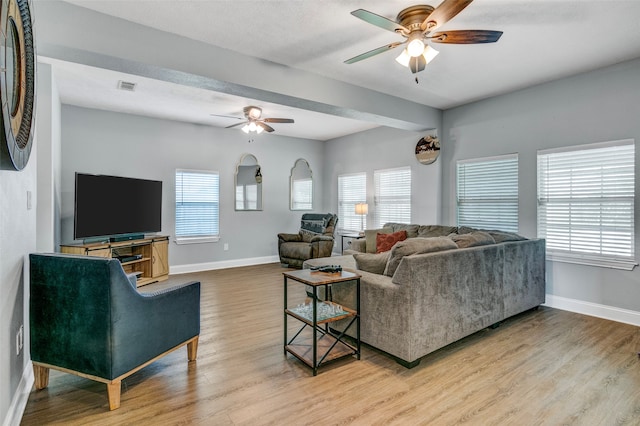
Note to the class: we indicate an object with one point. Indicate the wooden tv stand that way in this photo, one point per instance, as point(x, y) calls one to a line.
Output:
point(151, 256)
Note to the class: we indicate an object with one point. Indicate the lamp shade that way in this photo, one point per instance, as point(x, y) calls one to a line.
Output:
point(362, 208)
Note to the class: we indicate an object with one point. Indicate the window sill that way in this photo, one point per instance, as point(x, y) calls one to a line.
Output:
point(624, 264)
point(196, 240)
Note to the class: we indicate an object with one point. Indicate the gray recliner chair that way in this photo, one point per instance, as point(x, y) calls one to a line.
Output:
point(87, 318)
point(315, 239)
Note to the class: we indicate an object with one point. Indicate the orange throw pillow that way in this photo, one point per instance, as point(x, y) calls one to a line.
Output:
point(384, 242)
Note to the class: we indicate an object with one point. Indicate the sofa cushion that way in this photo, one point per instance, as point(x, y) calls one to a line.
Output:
point(412, 230)
point(416, 245)
point(384, 242)
point(498, 236)
point(372, 262)
point(472, 239)
point(427, 231)
point(370, 238)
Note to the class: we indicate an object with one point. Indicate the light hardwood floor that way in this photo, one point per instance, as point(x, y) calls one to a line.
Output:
point(544, 367)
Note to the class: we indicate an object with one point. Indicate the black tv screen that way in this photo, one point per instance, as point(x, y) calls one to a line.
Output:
point(109, 206)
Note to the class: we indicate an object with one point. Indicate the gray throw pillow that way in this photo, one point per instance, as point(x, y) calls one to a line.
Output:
point(416, 245)
point(472, 239)
point(372, 262)
point(370, 237)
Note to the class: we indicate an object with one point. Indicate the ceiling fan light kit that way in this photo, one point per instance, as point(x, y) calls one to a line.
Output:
point(416, 24)
point(428, 53)
point(415, 46)
point(254, 121)
point(252, 127)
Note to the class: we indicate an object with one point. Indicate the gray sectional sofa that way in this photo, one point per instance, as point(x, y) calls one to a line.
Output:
point(441, 287)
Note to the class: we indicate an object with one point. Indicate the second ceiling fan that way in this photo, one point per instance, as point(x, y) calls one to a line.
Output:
point(254, 121)
point(417, 25)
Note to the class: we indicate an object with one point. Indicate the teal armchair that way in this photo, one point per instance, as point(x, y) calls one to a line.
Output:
point(87, 318)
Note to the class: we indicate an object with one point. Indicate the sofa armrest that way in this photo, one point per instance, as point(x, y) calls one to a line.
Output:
point(321, 246)
point(359, 245)
point(155, 323)
point(286, 238)
point(321, 238)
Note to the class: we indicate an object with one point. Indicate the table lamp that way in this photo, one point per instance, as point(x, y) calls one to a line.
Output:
point(362, 209)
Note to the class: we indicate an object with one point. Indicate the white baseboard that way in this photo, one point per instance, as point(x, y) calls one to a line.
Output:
point(20, 398)
point(593, 309)
point(208, 266)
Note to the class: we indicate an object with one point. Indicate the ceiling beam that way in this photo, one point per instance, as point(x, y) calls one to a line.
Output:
point(75, 34)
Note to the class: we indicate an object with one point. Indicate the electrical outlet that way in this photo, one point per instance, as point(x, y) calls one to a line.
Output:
point(226, 246)
point(19, 340)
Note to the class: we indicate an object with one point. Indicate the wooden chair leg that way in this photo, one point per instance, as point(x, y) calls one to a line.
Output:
point(192, 349)
point(41, 375)
point(113, 392)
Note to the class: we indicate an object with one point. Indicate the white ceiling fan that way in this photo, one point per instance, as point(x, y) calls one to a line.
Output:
point(253, 121)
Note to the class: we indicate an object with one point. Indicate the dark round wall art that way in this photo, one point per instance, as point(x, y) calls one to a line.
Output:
point(428, 149)
point(17, 83)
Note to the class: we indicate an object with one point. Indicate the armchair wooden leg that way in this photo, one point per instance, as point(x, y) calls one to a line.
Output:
point(113, 393)
point(41, 375)
point(192, 349)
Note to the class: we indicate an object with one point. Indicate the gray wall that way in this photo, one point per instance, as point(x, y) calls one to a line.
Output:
point(49, 161)
point(102, 142)
point(17, 239)
point(598, 106)
point(384, 148)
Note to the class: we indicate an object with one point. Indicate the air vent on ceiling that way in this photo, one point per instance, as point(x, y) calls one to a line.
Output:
point(126, 85)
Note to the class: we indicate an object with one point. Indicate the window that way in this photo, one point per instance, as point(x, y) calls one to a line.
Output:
point(247, 197)
point(392, 195)
point(301, 194)
point(487, 193)
point(197, 206)
point(585, 203)
point(352, 189)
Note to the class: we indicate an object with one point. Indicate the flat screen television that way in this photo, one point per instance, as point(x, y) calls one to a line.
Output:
point(116, 207)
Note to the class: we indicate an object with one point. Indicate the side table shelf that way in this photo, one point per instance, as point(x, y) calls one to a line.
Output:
point(314, 343)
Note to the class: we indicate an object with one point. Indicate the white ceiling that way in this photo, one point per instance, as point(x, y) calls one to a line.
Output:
point(543, 40)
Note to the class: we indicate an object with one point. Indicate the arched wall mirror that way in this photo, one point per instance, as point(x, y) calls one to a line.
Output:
point(248, 184)
point(301, 186)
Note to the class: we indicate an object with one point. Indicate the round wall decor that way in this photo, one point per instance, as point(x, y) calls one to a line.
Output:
point(428, 149)
point(17, 83)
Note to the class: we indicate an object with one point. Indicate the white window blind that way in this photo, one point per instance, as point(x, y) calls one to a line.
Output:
point(487, 193)
point(352, 189)
point(586, 203)
point(302, 194)
point(197, 206)
point(392, 195)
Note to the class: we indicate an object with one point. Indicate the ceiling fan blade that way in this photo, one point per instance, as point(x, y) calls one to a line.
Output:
point(443, 13)
point(379, 21)
point(236, 125)
point(227, 116)
point(466, 36)
point(278, 120)
point(265, 126)
point(373, 52)
point(417, 64)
